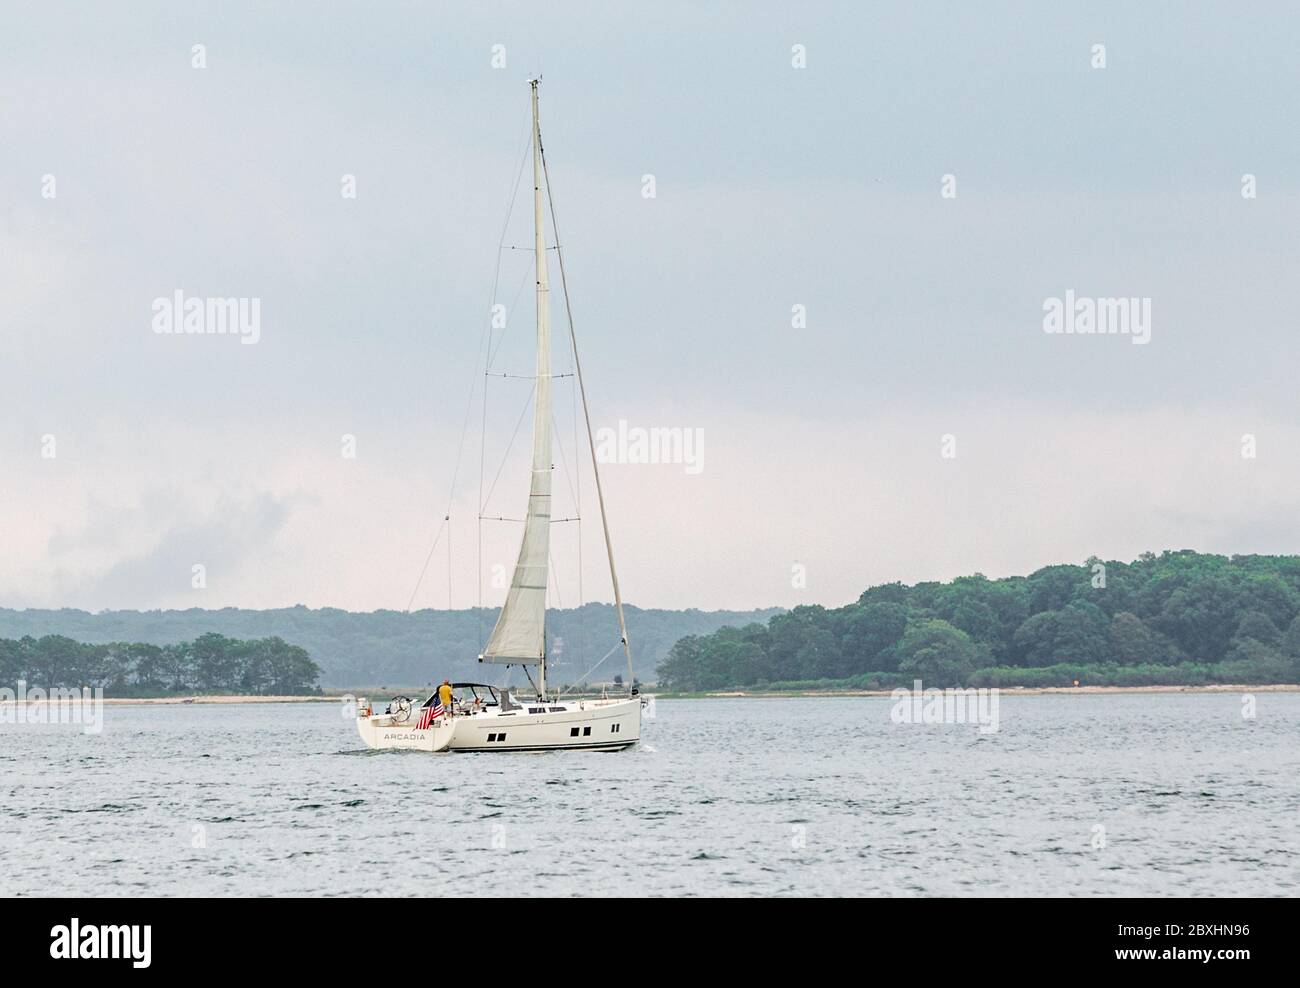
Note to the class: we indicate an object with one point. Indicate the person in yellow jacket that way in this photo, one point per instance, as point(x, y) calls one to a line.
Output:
point(444, 694)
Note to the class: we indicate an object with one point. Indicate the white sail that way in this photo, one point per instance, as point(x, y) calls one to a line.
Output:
point(520, 633)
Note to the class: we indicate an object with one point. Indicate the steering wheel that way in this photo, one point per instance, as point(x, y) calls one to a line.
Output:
point(401, 709)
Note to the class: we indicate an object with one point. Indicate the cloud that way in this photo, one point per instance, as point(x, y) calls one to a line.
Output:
point(1032, 483)
point(856, 503)
point(924, 314)
point(229, 538)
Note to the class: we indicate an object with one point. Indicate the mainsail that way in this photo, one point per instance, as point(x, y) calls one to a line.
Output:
point(520, 633)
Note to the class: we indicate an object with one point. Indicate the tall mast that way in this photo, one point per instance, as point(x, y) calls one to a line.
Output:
point(543, 404)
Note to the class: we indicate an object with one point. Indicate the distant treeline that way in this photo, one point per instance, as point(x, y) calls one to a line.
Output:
point(210, 664)
point(394, 647)
point(1177, 618)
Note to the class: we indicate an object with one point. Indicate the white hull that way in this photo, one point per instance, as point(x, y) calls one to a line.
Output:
point(579, 725)
point(379, 731)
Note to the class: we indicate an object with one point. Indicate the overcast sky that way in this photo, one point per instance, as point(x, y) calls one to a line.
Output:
point(775, 186)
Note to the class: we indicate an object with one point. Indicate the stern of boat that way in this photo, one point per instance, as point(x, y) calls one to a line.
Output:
point(384, 731)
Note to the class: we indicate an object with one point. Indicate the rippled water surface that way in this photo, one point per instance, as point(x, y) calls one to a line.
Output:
point(723, 797)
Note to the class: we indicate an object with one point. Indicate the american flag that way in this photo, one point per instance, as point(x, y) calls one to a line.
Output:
point(429, 714)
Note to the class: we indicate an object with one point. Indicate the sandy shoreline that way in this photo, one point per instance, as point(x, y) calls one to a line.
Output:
point(162, 700)
point(1023, 691)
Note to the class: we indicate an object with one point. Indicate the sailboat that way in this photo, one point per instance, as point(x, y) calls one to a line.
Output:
point(481, 717)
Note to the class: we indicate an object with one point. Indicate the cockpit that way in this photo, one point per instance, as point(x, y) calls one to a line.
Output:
point(470, 698)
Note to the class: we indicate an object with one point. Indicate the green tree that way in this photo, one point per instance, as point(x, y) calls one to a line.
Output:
point(260, 666)
point(1053, 587)
point(1075, 634)
point(1132, 643)
point(147, 661)
point(56, 660)
point(1200, 616)
point(1270, 595)
point(13, 662)
point(977, 619)
point(869, 631)
point(801, 645)
point(885, 593)
point(177, 668)
point(282, 669)
point(216, 665)
point(1253, 661)
point(938, 654)
point(1291, 648)
point(115, 668)
point(681, 666)
point(1259, 626)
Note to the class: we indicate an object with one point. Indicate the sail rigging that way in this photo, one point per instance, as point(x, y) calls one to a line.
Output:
point(519, 636)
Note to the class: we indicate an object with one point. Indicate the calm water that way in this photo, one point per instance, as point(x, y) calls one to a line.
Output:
point(723, 797)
